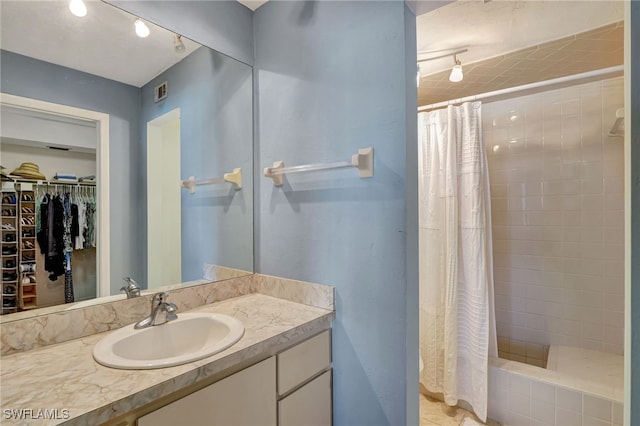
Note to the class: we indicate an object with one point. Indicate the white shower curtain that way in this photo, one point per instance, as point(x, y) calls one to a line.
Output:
point(457, 323)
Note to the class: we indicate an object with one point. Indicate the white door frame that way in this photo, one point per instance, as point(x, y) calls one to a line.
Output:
point(102, 174)
point(161, 266)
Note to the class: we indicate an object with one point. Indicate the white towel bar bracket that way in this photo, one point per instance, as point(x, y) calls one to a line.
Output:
point(363, 160)
point(235, 178)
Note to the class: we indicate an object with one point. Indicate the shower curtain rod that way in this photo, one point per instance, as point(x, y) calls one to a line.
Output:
point(590, 75)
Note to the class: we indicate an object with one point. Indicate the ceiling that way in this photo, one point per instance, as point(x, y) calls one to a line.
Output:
point(515, 42)
point(252, 4)
point(102, 43)
point(46, 30)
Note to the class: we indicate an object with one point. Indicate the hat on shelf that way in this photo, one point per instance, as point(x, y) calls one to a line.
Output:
point(29, 171)
point(2, 172)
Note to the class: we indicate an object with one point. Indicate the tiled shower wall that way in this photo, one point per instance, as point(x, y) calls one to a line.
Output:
point(557, 211)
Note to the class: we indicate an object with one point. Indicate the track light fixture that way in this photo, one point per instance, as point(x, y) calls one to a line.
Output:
point(456, 72)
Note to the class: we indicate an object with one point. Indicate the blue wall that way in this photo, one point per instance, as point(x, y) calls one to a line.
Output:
point(635, 209)
point(223, 25)
point(331, 77)
point(214, 94)
point(31, 78)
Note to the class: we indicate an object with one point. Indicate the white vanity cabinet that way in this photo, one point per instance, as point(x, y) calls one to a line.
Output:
point(245, 398)
point(292, 388)
point(304, 383)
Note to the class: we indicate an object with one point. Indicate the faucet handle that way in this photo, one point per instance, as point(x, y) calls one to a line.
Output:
point(131, 287)
point(159, 298)
point(171, 310)
point(130, 281)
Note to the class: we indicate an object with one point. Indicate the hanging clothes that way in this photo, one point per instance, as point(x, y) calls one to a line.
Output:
point(90, 231)
point(68, 248)
point(75, 223)
point(66, 222)
point(82, 220)
point(51, 235)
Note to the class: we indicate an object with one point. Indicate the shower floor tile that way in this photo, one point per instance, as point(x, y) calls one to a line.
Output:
point(434, 412)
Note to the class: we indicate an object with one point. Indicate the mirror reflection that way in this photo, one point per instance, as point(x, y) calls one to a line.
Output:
point(125, 157)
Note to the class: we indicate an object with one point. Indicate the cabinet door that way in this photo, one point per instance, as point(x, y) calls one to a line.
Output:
point(308, 406)
point(303, 361)
point(245, 398)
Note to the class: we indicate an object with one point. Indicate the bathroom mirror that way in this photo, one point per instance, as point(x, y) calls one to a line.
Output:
point(179, 114)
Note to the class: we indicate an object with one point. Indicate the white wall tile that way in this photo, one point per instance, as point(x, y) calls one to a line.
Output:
point(594, 406)
point(613, 302)
point(520, 404)
point(614, 349)
point(591, 169)
point(592, 332)
point(592, 202)
point(613, 185)
point(543, 412)
point(614, 320)
point(593, 421)
point(613, 335)
point(568, 418)
point(519, 384)
point(569, 399)
point(515, 419)
point(558, 216)
point(535, 422)
point(543, 392)
point(497, 409)
point(617, 413)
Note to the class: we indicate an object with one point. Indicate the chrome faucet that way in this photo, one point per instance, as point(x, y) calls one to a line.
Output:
point(161, 312)
point(131, 288)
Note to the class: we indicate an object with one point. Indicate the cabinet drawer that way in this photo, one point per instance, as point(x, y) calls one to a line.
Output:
point(303, 361)
point(245, 398)
point(308, 406)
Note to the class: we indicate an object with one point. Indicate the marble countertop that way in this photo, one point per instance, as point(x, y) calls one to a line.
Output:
point(65, 376)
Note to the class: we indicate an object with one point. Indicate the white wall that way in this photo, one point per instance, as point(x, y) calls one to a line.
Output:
point(48, 160)
point(45, 129)
point(557, 210)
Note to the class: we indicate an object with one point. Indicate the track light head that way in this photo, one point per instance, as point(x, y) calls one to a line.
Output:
point(456, 72)
point(78, 8)
point(141, 28)
point(178, 45)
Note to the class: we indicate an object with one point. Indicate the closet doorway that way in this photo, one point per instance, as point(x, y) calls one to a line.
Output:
point(164, 233)
point(101, 120)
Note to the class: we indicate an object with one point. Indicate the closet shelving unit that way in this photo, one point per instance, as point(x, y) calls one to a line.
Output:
point(9, 257)
point(19, 289)
point(27, 294)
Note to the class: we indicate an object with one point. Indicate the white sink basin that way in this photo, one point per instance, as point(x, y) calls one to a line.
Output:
point(191, 337)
